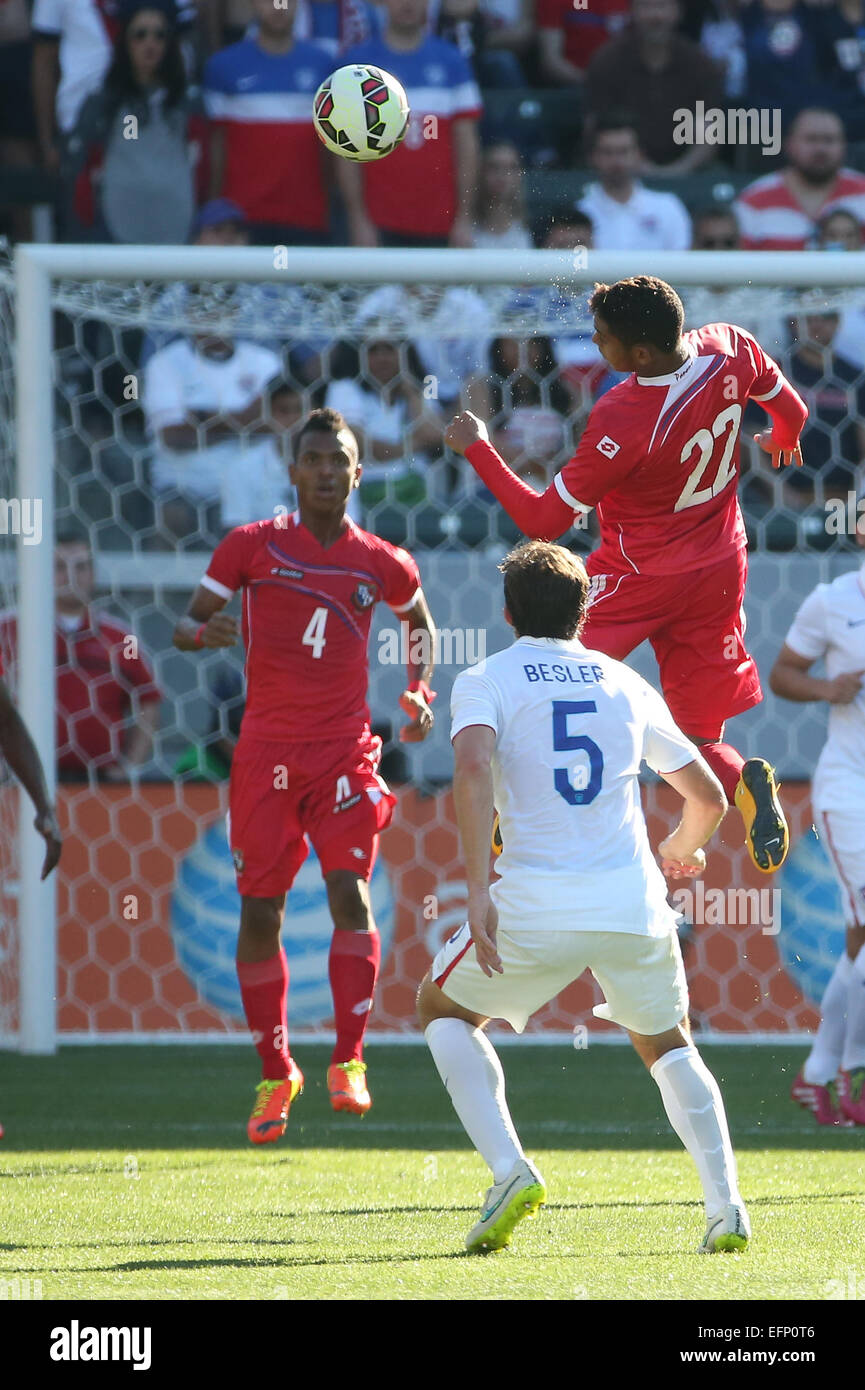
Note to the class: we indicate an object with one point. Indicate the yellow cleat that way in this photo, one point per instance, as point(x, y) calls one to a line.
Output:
point(767, 837)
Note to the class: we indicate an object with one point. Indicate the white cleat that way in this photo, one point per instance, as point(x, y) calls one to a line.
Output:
point(730, 1229)
point(507, 1202)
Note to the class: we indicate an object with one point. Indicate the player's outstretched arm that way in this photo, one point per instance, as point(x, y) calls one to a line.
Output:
point(204, 624)
point(473, 804)
point(790, 679)
point(542, 516)
point(416, 699)
point(789, 413)
point(705, 807)
point(19, 750)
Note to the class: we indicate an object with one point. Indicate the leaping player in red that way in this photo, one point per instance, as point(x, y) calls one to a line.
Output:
point(659, 458)
point(306, 764)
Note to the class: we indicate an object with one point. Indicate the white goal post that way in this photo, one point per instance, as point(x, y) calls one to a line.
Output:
point(37, 267)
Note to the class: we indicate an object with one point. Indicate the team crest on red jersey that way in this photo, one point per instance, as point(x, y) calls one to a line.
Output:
point(364, 596)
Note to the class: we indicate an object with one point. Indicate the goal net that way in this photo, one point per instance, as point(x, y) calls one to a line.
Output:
point(128, 363)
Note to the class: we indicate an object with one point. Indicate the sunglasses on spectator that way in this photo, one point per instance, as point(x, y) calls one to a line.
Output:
point(145, 33)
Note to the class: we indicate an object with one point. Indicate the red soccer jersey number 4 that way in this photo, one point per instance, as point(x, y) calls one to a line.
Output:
point(660, 456)
point(306, 620)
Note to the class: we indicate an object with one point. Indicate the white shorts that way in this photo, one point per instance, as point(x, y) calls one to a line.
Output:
point(642, 977)
point(843, 835)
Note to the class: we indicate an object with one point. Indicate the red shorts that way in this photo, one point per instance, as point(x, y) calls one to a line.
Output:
point(696, 626)
point(282, 794)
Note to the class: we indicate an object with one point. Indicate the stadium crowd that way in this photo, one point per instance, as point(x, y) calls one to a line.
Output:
point(544, 123)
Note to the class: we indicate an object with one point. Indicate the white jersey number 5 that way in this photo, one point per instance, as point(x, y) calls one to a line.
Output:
point(314, 636)
point(705, 441)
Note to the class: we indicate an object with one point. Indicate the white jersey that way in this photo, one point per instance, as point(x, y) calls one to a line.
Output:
point(831, 625)
point(572, 728)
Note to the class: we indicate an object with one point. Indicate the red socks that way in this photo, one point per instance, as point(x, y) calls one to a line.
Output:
point(264, 990)
point(726, 764)
point(355, 957)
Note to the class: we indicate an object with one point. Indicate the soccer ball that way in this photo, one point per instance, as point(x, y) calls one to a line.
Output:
point(360, 112)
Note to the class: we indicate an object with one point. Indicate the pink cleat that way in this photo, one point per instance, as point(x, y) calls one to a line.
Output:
point(823, 1101)
point(851, 1094)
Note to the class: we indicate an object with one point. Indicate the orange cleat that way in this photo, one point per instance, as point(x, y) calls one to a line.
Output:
point(272, 1103)
point(346, 1082)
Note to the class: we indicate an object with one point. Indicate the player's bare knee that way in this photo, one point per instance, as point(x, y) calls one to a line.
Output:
point(348, 900)
point(650, 1048)
point(260, 924)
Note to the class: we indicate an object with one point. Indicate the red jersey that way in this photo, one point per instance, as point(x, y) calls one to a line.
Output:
point(772, 219)
point(307, 612)
point(98, 671)
point(659, 456)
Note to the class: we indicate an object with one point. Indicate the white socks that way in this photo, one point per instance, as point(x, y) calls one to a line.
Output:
point(854, 1036)
point(696, 1111)
point(827, 1049)
point(473, 1078)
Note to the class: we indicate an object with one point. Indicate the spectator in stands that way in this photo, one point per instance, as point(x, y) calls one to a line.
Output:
point(658, 72)
point(721, 35)
point(336, 25)
point(215, 464)
point(500, 212)
point(73, 43)
point(423, 194)
point(265, 155)
point(18, 145)
point(570, 35)
point(780, 211)
point(624, 213)
point(397, 430)
point(449, 330)
point(840, 33)
point(465, 24)
point(716, 228)
point(530, 423)
point(139, 140)
point(841, 230)
point(510, 28)
point(833, 438)
point(107, 699)
point(781, 51)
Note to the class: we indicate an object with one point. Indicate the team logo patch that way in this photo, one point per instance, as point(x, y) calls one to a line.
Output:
point(287, 574)
point(608, 447)
point(364, 596)
point(597, 585)
point(237, 856)
point(349, 801)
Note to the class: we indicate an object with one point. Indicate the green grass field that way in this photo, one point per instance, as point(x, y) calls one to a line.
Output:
point(127, 1174)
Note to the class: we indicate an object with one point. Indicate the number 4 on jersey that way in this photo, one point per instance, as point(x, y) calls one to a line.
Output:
point(314, 636)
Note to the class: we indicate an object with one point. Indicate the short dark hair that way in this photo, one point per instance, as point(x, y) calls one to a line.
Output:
point(325, 420)
point(642, 309)
point(72, 533)
point(546, 588)
point(565, 216)
point(614, 121)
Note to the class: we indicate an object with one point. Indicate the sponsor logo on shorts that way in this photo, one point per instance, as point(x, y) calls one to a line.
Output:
point(239, 862)
point(286, 573)
point(358, 854)
point(597, 585)
point(608, 446)
point(364, 596)
point(452, 939)
point(349, 801)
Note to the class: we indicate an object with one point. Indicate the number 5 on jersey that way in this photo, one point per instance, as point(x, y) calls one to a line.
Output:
point(314, 636)
point(563, 742)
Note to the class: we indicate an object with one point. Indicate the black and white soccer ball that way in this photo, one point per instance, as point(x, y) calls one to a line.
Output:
point(361, 112)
